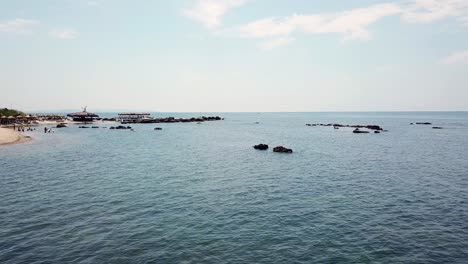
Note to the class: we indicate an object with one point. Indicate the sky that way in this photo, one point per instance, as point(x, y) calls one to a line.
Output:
point(234, 55)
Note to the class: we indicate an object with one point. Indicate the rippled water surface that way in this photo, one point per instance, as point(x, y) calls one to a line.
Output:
point(199, 193)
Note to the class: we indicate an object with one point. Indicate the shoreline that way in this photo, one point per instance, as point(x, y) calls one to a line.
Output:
point(10, 137)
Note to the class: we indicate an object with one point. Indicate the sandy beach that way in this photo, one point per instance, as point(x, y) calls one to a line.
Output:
point(9, 136)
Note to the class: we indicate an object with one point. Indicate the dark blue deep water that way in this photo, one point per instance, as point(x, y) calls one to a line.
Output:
point(199, 193)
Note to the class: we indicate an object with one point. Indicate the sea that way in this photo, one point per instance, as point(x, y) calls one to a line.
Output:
point(200, 193)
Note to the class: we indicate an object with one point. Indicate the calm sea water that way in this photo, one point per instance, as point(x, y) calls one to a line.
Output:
point(199, 193)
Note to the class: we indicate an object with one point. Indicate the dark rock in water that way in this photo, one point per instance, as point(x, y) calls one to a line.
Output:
point(281, 149)
point(425, 123)
point(308, 124)
point(94, 127)
point(373, 127)
point(357, 131)
point(61, 125)
point(338, 126)
point(437, 128)
point(411, 123)
point(158, 128)
point(377, 132)
point(182, 120)
point(121, 127)
point(261, 147)
point(83, 127)
point(257, 123)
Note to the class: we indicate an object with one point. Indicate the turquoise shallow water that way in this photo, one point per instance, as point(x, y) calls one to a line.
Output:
point(199, 193)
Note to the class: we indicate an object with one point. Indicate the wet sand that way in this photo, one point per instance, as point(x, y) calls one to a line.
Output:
point(10, 136)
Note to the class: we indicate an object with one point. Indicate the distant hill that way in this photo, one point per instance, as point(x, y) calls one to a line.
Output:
point(10, 112)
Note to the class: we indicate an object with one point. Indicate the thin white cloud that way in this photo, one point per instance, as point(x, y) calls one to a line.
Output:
point(210, 12)
point(275, 43)
point(65, 34)
point(427, 11)
point(456, 58)
point(18, 25)
point(353, 24)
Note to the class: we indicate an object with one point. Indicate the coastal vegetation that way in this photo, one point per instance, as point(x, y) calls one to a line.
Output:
point(10, 112)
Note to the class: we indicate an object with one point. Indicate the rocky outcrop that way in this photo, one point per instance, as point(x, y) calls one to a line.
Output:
point(182, 120)
point(61, 125)
point(261, 147)
point(281, 149)
point(338, 126)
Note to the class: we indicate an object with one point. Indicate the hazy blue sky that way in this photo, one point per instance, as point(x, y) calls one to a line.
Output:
point(234, 55)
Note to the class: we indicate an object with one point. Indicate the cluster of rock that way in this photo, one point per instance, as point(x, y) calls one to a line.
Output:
point(83, 127)
point(337, 126)
point(61, 125)
point(357, 128)
point(182, 120)
point(121, 127)
point(279, 149)
point(427, 124)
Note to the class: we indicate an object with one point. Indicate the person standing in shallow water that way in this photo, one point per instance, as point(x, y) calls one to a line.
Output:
point(45, 129)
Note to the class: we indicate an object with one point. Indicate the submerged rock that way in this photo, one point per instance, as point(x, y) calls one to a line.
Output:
point(437, 128)
point(261, 147)
point(158, 128)
point(61, 125)
point(281, 149)
point(423, 123)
